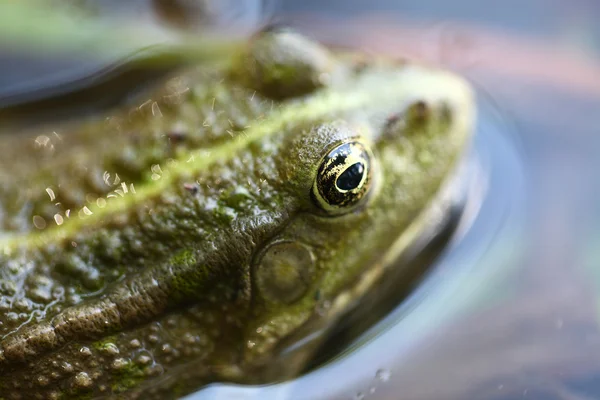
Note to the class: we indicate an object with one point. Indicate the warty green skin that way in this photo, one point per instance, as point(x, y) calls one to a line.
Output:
point(151, 291)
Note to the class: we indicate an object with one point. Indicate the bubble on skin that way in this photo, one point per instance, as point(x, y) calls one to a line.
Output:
point(154, 370)
point(22, 304)
point(156, 110)
point(58, 219)
point(8, 288)
point(188, 338)
point(153, 338)
point(82, 380)
point(12, 317)
point(144, 104)
point(41, 295)
point(119, 364)
point(44, 142)
point(39, 222)
point(51, 193)
point(144, 359)
point(156, 172)
point(85, 351)
point(110, 348)
point(66, 367)
point(42, 380)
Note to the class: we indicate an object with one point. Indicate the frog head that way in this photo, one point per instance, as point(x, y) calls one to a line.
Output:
point(365, 180)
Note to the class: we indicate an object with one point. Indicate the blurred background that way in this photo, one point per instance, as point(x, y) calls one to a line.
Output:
point(511, 309)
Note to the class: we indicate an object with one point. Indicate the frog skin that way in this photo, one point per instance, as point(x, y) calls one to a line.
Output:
point(180, 241)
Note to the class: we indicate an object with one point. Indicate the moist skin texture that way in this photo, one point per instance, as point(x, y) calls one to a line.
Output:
point(176, 243)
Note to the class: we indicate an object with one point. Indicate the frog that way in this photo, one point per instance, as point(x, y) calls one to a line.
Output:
point(183, 238)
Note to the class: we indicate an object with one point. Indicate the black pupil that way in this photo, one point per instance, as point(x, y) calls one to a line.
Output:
point(351, 177)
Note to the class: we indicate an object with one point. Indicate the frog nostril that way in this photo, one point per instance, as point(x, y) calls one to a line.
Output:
point(418, 112)
point(418, 118)
point(414, 115)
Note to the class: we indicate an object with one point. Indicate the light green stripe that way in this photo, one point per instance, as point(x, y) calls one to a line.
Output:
point(409, 84)
point(326, 102)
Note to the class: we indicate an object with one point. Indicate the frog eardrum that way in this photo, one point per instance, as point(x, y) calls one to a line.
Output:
point(344, 177)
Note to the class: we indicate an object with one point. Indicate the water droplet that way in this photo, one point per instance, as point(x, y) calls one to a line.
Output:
point(82, 380)
point(383, 375)
point(110, 348)
point(156, 110)
point(66, 367)
point(42, 380)
point(144, 359)
point(156, 169)
point(85, 351)
point(84, 212)
point(106, 177)
point(119, 364)
point(153, 338)
point(43, 141)
point(58, 219)
point(51, 194)
point(39, 222)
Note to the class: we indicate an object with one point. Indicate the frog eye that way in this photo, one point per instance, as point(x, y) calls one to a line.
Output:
point(344, 177)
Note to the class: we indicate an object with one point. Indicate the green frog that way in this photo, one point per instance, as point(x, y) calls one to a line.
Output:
point(180, 240)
